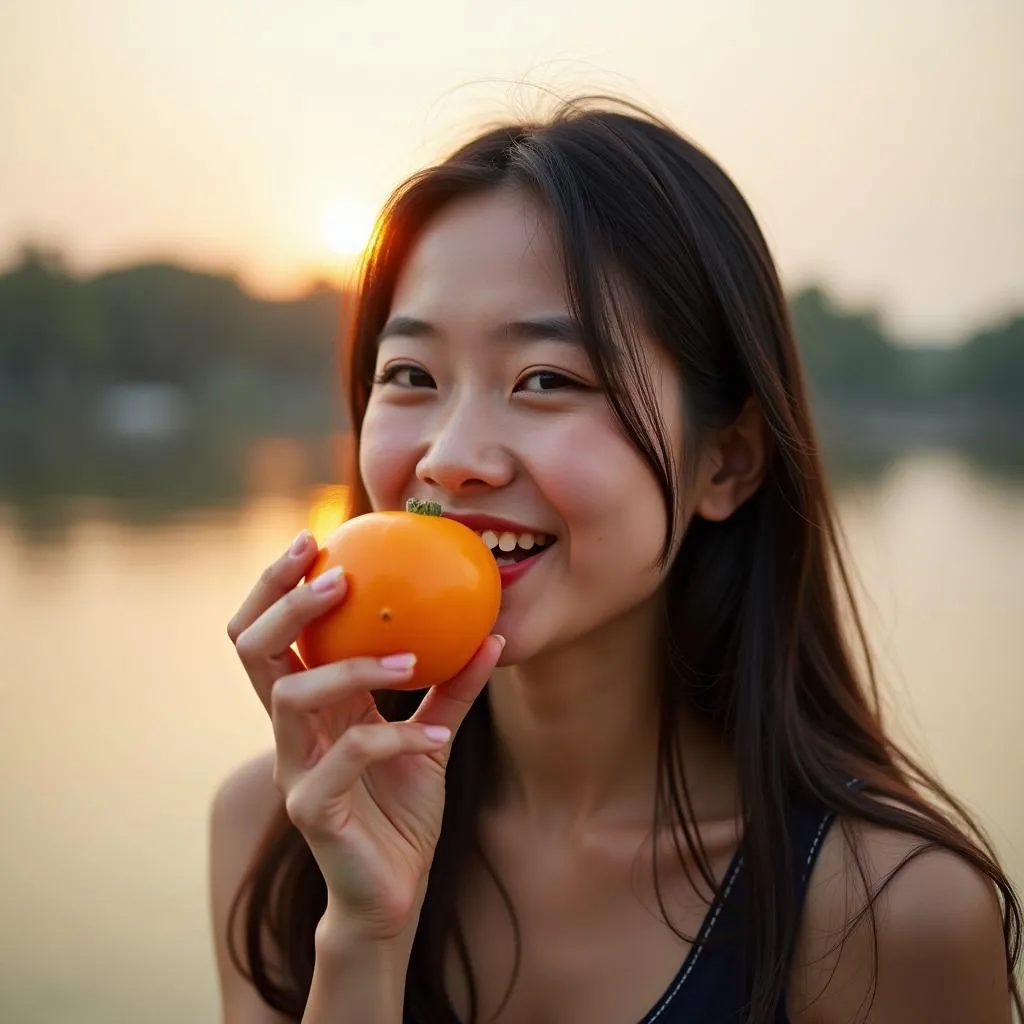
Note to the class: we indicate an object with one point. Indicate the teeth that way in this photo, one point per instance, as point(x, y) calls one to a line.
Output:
point(507, 541)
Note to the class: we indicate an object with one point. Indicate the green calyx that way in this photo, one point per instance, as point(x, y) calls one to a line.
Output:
point(423, 508)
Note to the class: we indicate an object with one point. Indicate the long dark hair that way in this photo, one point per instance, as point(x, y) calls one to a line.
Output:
point(761, 631)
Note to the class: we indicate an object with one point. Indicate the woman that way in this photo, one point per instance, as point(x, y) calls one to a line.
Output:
point(667, 794)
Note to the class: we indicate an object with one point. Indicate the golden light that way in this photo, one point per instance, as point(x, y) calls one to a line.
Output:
point(329, 507)
point(348, 228)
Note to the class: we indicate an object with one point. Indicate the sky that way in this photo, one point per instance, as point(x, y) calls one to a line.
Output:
point(879, 142)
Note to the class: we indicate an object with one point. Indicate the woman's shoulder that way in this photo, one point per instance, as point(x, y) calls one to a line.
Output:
point(243, 807)
point(894, 928)
point(247, 797)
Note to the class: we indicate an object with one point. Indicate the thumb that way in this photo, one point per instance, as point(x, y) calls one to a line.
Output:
point(448, 703)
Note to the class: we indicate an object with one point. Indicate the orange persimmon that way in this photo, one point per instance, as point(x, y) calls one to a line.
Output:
point(417, 582)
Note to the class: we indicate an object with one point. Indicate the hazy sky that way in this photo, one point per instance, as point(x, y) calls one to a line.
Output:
point(881, 142)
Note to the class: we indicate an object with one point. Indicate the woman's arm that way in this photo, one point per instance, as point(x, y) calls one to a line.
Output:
point(356, 980)
point(352, 981)
point(940, 956)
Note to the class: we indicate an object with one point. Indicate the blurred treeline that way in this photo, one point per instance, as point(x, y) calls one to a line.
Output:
point(238, 367)
point(61, 333)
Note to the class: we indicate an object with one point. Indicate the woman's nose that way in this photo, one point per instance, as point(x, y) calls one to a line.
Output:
point(465, 453)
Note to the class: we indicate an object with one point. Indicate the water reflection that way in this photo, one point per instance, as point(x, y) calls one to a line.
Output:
point(124, 705)
point(50, 478)
point(54, 482)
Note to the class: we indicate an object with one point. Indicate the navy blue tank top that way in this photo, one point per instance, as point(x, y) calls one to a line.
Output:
point(709, 987)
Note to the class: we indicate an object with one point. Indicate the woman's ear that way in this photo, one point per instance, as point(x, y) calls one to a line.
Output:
point(733, 464)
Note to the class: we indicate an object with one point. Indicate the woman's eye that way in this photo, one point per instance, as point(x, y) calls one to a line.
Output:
point(545, 380)
point(404, 375)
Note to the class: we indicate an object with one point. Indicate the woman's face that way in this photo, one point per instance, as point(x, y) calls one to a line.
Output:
point(486, 402)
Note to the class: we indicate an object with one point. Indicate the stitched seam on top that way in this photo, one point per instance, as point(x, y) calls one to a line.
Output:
point(820, 833)
point(814, 846)
point(698, 949)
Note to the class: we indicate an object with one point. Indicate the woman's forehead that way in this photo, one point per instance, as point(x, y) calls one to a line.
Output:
point(492, 265)
point(494, 256)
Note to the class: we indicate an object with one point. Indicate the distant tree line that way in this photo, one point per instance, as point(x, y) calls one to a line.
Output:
point(153, 323)
point(850, 360)
point(169, 324)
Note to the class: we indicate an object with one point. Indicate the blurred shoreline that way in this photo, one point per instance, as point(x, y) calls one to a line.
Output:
point(148, 454)
point(154, 390)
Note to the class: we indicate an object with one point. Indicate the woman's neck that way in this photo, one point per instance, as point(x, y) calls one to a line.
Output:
point(577, 734)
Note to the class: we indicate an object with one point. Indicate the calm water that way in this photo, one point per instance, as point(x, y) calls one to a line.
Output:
point(123, 706)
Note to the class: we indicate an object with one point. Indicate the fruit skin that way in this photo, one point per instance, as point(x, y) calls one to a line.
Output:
point(417, 583)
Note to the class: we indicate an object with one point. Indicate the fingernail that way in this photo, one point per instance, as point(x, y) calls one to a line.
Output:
point(437, 733)
point(299, 544)
point(397, 662)
point(327, 581)
point(500, 639)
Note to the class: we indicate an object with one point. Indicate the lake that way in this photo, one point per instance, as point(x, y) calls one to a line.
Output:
point(124, 705)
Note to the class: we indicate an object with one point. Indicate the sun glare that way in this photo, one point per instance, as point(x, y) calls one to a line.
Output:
point(348, 228)
point(328, 509)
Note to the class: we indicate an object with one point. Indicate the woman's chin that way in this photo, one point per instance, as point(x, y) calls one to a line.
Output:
point(518, 647)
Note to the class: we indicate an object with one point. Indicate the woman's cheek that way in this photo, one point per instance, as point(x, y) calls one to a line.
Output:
point(588, 472)
point(610, 502)
point(387, 458)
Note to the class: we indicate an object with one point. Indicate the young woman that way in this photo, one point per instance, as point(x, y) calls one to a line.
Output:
point(668, 795)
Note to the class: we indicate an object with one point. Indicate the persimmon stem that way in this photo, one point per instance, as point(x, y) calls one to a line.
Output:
point(423, 508)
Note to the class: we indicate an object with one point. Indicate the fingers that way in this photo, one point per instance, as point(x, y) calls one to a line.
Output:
point(449, 703)
point(315, 776)
point(274, 582)
point(295, 697)
point(316, 804)
point(264, 647)
point(279, 626)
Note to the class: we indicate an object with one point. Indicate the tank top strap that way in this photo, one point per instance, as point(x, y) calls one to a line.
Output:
point(810, 827)
point(712, 985)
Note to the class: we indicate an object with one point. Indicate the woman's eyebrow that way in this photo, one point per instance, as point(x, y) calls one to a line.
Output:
point(541, 328)
point(407, 327)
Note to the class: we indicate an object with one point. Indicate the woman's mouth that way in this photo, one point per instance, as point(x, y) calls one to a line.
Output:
point(516, 547)
point(516, 552)
point(511, 548)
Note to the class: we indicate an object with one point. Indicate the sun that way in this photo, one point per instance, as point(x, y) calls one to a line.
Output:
point(348, 227)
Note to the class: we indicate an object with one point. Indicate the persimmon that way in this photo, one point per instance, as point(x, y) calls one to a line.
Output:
point(417, 583)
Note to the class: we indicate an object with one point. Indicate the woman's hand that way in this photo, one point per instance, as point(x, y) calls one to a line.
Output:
point(366, 794)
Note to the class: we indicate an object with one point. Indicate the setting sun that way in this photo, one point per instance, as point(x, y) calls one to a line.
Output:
point(348, 227)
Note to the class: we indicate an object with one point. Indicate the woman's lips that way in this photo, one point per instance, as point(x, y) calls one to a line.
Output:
point(505, 539)
point(514, 571)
